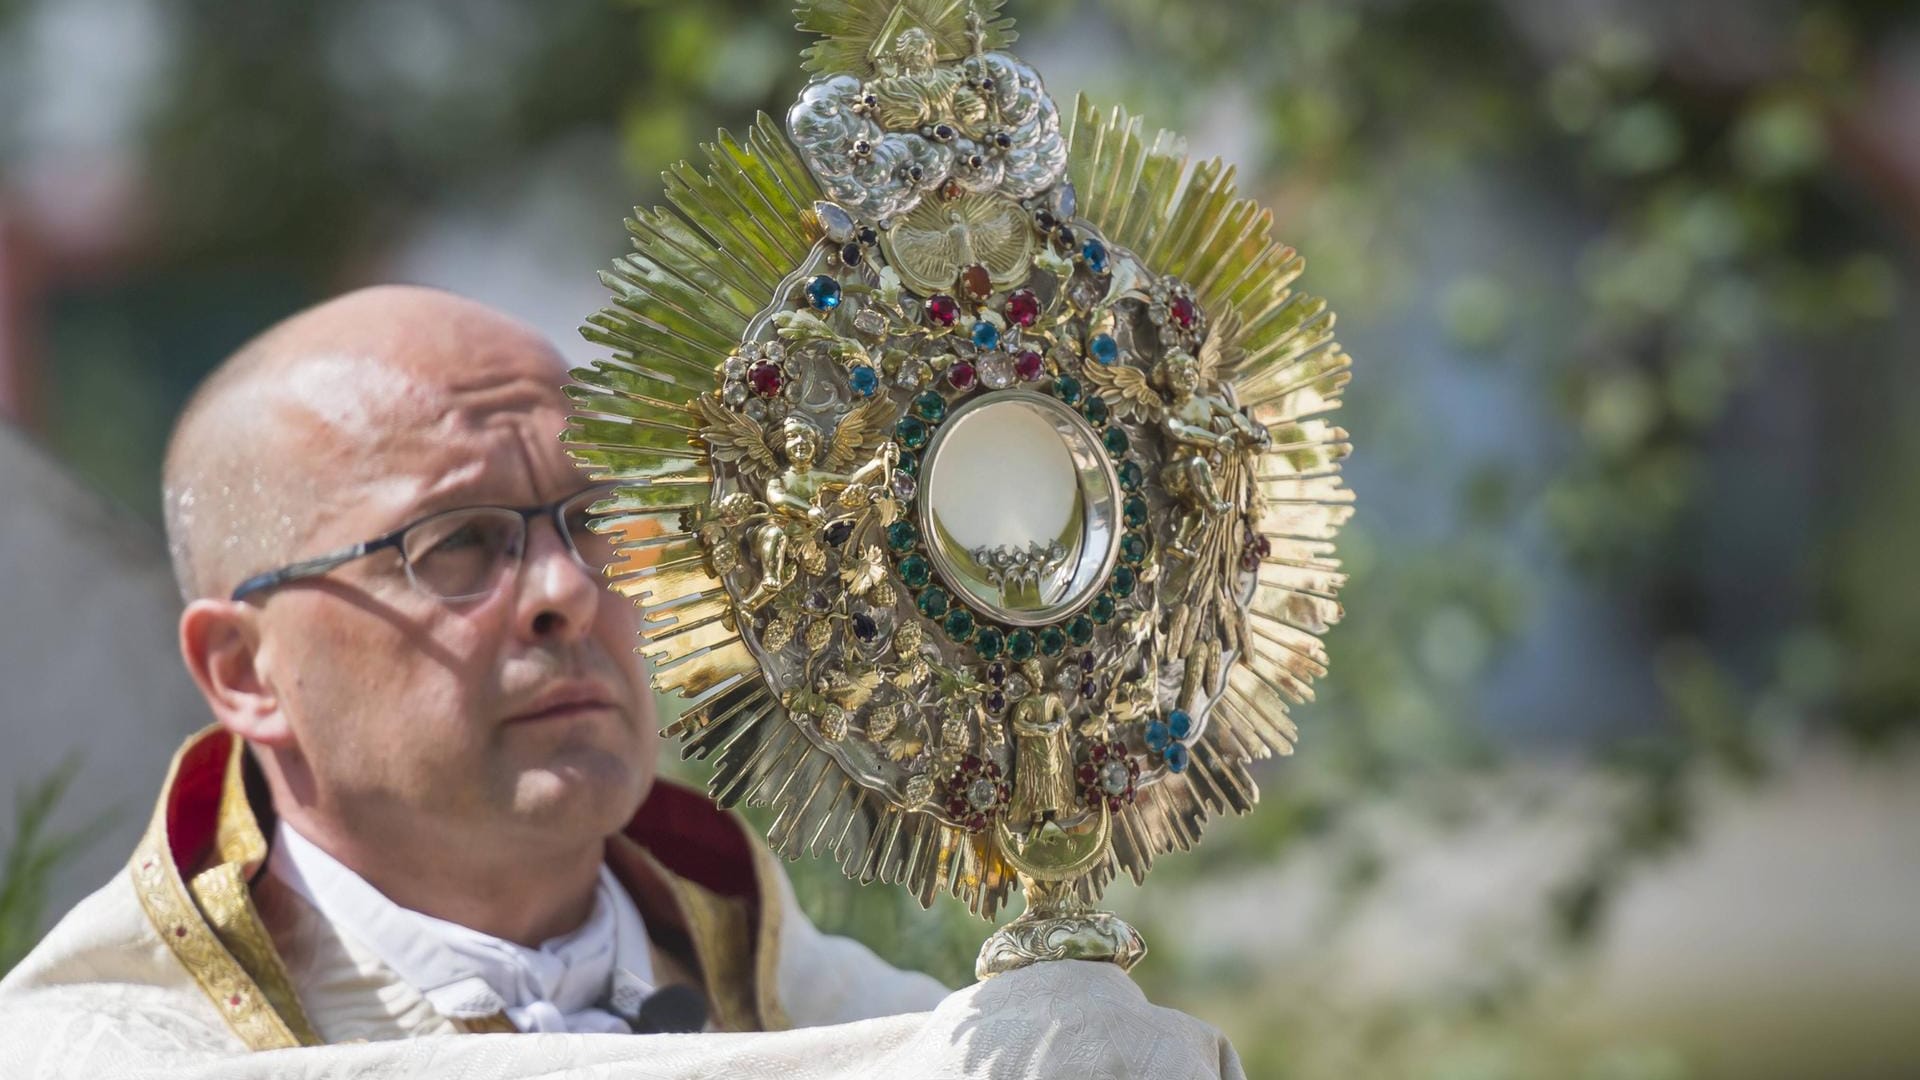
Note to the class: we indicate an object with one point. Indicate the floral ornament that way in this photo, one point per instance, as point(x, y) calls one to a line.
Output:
point(756, 369)
point(864, 571)
point(1166, 739)
point(1108, 775)
point(976, 793)
point(1172, 308)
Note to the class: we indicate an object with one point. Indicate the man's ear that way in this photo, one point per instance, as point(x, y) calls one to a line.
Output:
point(220, 642)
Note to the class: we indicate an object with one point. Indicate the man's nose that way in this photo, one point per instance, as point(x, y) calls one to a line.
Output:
point(558, 597)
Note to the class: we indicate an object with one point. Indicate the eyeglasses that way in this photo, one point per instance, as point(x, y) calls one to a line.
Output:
point(463, 554)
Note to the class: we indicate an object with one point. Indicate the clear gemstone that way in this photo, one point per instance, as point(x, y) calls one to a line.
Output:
point(835, 220)
point(904, 485)
point(735, 367)
point(869, 321)
point(1113, 776)
point(996, 371)
point(914, 374)
point(982, 794)
point(735, 394)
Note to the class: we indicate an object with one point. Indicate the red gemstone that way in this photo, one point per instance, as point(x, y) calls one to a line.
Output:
point(943, 309)
point(977, 282)
point(1262, 545)
point(952, 190)
point(960, 374)
point(1028, 365)
point(1184, 312)
point(1088, 774)
point(765, 378)
point(1098, 752)
point(1023, 307)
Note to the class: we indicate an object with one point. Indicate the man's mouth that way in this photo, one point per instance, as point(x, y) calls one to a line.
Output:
point(565, 700)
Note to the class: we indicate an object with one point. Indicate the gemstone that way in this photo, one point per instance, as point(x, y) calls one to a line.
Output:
point(1017, 686)
point(817, 602)
point(1020, 645)
point(1158, 736)
point(1080, 630)
point(1044, 220)
point(1094, 409)
point(1133, 549)
point(1131, 477)
point(909, 464)
point(943, 132)
point(1115, 440)
point(977, 282)
point(1183, 311)
point(1023, 308)
point(1101, 610)
point(1103, 348)
point(835, 220)
point(1249, 562)
point(904, 485)
point(1179, 723)
point(1262, 545)
point(959, 624)
point(996, 371)
point(988, 642)
point(916, 571)
point(933, 602)
point(1121, 584)
point(986, 335)
point(982, 794)
point(1029, 365)
point(864, 627)
point(902, 536)
point(870, 322)
point(997, 674)
point(867, 236)
point(734, 368)
point(1065, 235)
point(943, 309)
point(735, 395)
point(1089, 688)
point(1134, 511)
point(850, 253)
point(996, 701)
point(1177, 757)
point(1095, 254)
point(838, 531)
point(960, 375)
point(911, 433)
point(1052, 641)
point(1064, 199)
point(1087, 662)
point(914, 374)
point(863, 379)
point(823, 292)
point(930, 407)
point(952, 190)
point(1114, 778)
point(1066, 388)
point(765, 378)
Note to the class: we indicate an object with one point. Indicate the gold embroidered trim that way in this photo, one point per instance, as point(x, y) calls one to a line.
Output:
point(228, 906)
point(722, 942)
point(767, 876)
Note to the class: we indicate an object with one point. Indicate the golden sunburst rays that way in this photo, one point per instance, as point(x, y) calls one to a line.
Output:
point(854, 34)
point(1278, 356)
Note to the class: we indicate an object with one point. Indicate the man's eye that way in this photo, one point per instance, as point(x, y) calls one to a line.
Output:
point(463, 538)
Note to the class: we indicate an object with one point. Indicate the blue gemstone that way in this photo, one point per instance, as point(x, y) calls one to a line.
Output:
point(864, 380)
point(1095, 253)
point(823, 292)
point(1179, 723)
point(1104, 348)
point(986, 335)
point(1158, 736)
point(1177, 757)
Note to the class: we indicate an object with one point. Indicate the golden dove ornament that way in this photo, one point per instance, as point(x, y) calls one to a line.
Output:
point(977, 486)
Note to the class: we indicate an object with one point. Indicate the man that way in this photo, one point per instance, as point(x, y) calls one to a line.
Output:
point(427, 805)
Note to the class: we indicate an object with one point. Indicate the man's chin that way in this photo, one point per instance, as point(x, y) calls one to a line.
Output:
point(581, 789)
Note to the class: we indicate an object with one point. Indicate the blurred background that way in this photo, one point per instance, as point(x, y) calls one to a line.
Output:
point(1614, 777)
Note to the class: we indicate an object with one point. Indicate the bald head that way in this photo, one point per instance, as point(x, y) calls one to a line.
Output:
point(314, 412)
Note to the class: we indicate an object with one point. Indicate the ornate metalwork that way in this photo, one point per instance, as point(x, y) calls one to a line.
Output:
point(1041, 655)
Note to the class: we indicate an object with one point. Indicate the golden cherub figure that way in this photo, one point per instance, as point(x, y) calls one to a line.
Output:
point(794, 494)
point(913, 91)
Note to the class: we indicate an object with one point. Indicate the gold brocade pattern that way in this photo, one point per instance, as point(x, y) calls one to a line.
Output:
point(228, 906)
point(722, 942)
point(769, 879)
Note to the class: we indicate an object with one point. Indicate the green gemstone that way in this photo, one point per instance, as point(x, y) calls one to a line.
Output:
point(915, 571)
point(1101, 609)
point(988, 642)
point(1094, 409)
point(1121, 584)
point(1134, 511)
point(1066, 388)
point(1130, 475)
point(1020, 645)
point(930, 407)
point(901, 536)
point(911, 433)
point(909, 464)
point(1080, 630)
point(959, 624)
point(1116, 441)
point(1052, 641)
point(933, 602)
point(1133, 549)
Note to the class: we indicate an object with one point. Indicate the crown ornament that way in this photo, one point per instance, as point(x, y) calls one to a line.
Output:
point(977, 485)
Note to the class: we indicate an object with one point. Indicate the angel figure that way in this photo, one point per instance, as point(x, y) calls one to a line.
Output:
point(1043, 780)
point(914, 91)
point(1205, 428)
point(795, 495)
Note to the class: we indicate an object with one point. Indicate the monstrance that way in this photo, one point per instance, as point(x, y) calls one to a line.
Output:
point(977, 485)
